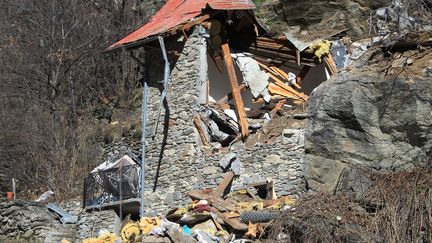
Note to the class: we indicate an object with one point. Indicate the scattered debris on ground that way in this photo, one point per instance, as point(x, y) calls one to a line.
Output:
point(215, 215)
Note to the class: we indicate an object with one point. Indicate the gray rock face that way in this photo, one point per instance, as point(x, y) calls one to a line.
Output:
point(371, 121)
point(321, 16)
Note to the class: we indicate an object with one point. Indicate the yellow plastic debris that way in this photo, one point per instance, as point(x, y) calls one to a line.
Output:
point(247, 206)
point(146, 225)
point(105, 238)
point(130, 231)
point(321, 48)
point(283, 201)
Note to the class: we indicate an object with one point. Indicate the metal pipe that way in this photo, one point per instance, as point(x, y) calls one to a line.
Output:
point(143, 147)
point(165, 83)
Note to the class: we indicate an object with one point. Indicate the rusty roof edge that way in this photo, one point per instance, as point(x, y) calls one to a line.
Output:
point(212, 5)
point(132, 45)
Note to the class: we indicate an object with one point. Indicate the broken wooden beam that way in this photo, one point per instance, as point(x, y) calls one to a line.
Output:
point(277, 108)
point(229, 96)
point(233, 222)
point(244, 126)
point(198, 124)
point(284, 86)
point(190, 24)
point(330, 63)
point(284, 75)
point(277, 90)
point(218, 203)
point(229, 176)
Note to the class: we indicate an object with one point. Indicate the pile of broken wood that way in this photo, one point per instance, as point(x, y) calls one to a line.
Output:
point(246, 214)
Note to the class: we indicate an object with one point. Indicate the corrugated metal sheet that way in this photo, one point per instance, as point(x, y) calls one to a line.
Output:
point(176, 12)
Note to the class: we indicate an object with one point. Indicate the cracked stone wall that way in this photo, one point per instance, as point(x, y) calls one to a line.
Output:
point(183, 165)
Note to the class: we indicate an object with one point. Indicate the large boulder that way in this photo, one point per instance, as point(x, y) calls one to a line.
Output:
point(368, 120)
point(320, 18)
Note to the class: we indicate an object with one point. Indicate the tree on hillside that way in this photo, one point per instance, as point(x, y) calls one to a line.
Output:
point(53, 66)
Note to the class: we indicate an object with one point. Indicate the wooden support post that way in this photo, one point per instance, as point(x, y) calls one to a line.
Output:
point(244, 126)
point(302, 74)
point(298, 58)
point(14, 188)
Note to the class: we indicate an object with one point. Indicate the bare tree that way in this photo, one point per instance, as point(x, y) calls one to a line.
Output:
point(52, 67)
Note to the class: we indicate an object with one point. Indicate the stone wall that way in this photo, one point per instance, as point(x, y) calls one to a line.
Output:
point(174, 151)
point(186, 165)
point(33, 222)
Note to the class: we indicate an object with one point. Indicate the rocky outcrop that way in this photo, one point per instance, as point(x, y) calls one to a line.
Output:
point(320, 16)
point(366, 119)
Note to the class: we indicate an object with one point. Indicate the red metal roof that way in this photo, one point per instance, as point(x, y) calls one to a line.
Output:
point(176, 12)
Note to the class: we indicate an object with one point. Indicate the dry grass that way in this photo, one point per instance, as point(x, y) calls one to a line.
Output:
point(398, 208)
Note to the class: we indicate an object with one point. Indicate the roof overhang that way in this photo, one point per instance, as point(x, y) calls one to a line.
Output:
point(175, 13)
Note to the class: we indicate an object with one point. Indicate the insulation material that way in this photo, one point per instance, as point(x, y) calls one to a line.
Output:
point(321, 48)
point(256, 79)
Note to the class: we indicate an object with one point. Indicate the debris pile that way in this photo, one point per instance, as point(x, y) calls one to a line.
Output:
point(215, 215)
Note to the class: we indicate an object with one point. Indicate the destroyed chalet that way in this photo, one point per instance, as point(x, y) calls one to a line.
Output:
point(221, 89)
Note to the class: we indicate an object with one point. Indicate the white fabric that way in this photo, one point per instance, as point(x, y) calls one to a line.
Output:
point(124, 161)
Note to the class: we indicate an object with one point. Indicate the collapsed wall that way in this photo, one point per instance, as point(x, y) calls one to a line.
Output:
point(176, 162)
point(33, 222)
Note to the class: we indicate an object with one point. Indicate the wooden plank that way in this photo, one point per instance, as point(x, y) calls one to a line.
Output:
point(244, 126)
point(233, 222)
point(229, 96)
point(285, 75)
point(197, 123)
point(190, 24)
point(285, 86)
point(277, 90)
point(231, 215)
point(330, 63)
point(229, 176)
point(220, 203)
point(216, 202)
